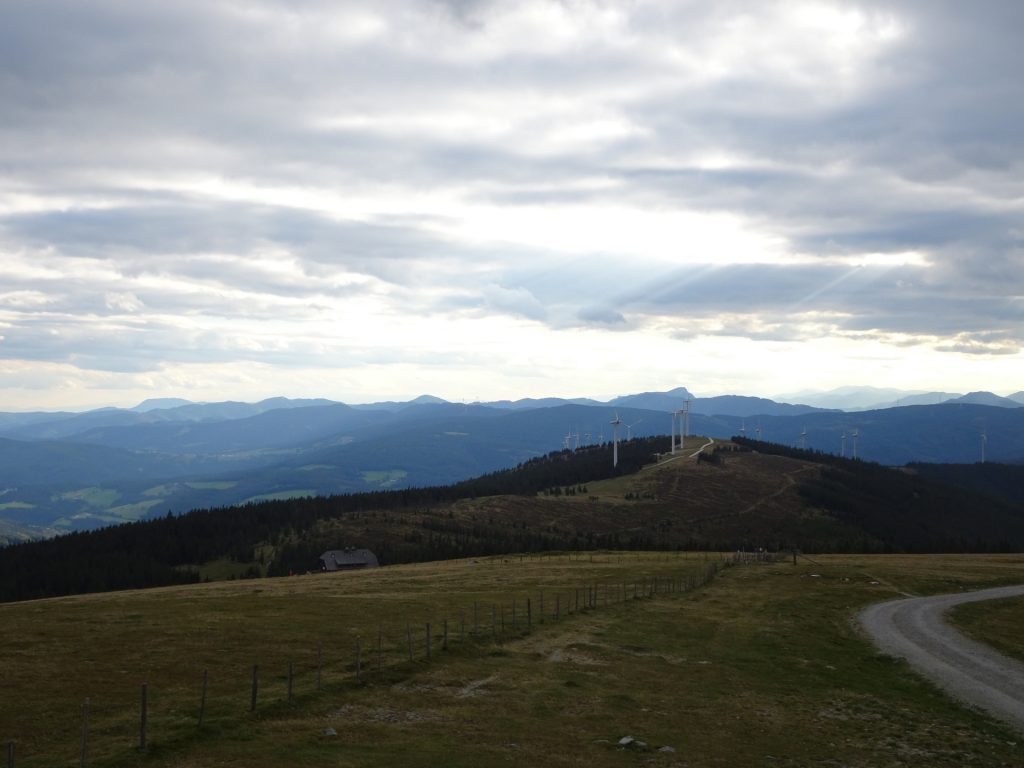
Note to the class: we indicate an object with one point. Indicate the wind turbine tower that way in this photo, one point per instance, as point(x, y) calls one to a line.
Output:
point(842, 448)
point(672, 415)
point(856, 434)
point(686, 422)
point(803, 440)
point(984, 442)
point(615, 440)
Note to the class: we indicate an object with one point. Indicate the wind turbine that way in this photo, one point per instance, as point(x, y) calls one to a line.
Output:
point(856, 434)
point(686, 421)
point(842, 450)
point(743, 428)
point(629, 435)
point(757, 431)
point(803, 440)
point(984, 442)
point(615, 440)
point(672, 415)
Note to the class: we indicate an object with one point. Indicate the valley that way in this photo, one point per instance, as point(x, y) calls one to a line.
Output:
point(70, 472)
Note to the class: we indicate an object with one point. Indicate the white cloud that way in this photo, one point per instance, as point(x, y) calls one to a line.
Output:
point(360, 189)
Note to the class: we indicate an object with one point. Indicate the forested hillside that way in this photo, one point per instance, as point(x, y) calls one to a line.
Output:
point(168, 550)
point(739, 494)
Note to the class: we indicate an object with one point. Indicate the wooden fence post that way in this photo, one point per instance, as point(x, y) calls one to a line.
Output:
point(542, 606)
point(202, 698)
point(83, 753)
point(255, 686)
point(529, 614)
point(515, 624)
point(143, 716)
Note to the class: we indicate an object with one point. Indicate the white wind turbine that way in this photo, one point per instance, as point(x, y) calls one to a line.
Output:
point(803, 440)
point(984, 442)
point(856, 434)
point(842, 449)
point(615, 440)
point(629, 427)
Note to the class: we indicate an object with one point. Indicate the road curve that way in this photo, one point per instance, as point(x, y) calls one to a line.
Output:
point(914, 629)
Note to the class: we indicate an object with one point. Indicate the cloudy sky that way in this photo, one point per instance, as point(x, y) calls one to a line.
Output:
point(482, 200)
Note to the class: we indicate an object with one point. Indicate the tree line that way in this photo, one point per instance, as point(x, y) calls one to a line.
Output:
point(166, 550)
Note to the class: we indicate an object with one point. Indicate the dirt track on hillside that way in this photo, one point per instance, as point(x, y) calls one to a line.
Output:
point(914, 629)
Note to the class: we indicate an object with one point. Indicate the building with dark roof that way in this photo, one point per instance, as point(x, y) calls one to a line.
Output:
point(347, 560)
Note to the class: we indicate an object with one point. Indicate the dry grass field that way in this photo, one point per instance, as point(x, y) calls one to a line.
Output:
point(762, 667)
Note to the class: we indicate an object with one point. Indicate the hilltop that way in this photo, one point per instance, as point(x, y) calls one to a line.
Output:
point(714, 496)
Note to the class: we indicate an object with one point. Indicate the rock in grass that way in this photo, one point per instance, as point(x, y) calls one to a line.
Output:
point(628, 742)
point(667, 749)
point(330, 732)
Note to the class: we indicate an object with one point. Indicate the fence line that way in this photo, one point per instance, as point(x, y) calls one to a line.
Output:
point(593, 596)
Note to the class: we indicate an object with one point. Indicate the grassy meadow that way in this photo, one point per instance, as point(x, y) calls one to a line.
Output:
point(999, 623)
point(762, 667)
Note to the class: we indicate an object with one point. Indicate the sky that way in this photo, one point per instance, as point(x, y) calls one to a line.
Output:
point(487, 200)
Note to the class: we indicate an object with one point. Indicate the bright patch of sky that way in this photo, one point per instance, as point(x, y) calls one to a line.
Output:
point(486, 200)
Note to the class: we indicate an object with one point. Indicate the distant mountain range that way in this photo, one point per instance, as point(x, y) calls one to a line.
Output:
point(70, 471)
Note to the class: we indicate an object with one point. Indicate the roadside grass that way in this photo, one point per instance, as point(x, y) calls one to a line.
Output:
point(763, 667)
point(999, 623)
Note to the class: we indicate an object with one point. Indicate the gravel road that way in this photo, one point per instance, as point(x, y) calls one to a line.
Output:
point(914, 629)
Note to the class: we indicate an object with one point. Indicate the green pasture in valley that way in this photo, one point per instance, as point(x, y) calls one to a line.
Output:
point(762, 667)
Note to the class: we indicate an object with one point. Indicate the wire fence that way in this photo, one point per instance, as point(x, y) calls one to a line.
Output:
point(221, 697)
